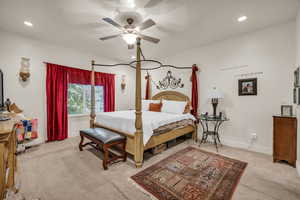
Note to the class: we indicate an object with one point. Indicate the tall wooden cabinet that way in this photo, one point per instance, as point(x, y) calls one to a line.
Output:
point(285, 139)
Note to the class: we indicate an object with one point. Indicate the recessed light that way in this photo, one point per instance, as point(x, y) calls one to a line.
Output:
point(131, 3)
point(133, 57)
point(242, 18)
point(27, 23)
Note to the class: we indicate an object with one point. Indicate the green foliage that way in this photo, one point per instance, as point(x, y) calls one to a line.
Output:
point(75, 99)
point(79, 99)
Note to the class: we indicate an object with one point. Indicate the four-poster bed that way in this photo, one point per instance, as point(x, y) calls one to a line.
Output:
point(135, 144)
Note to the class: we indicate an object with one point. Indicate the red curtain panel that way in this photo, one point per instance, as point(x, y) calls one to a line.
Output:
point(108, 81)
point(147, 95)
point(57, 99)
point(57, 80)
point(80, 76)
point(194, 91)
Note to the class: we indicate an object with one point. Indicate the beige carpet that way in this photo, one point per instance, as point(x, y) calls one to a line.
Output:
point(58, 171)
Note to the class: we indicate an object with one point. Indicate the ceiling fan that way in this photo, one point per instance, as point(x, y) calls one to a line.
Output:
point(130, 32)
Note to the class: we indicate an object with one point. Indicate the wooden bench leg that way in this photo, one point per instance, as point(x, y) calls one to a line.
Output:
point(105, 149)
point(105, 159)
point(81, 142)
point(124, 151)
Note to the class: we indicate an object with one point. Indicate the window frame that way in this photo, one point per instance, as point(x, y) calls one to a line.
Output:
point(84, 100)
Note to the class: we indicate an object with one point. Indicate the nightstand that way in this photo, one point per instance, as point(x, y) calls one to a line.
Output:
point(214, 133)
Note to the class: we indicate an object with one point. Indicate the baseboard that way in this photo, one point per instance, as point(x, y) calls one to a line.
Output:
point(244, 145)
point(35, 142)
point(298, 166)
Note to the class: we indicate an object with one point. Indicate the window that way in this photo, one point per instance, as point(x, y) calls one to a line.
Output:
point(79, 99)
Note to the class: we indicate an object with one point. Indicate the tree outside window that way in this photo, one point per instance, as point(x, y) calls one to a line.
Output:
point(79, 99)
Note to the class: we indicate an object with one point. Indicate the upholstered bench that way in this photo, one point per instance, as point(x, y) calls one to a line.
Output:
point(103, 139)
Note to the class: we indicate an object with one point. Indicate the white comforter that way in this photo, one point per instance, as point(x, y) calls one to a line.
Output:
point(125, 121)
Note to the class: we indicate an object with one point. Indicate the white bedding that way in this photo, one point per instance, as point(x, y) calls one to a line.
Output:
point(125, 121)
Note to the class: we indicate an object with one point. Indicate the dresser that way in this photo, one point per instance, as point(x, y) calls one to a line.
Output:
point(285, 139)
point(7, 156)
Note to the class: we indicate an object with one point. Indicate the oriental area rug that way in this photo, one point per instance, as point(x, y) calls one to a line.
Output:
point(192, 174)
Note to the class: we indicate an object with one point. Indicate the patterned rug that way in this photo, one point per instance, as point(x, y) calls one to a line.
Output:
point(192, 174)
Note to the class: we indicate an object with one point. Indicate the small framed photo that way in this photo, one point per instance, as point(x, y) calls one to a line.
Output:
point(287, 110)
point(248, 87)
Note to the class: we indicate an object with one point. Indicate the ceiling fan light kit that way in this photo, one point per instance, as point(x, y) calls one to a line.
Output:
point(130, 32)
point(129, 38)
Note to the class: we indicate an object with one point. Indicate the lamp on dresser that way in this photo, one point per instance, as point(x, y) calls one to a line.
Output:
point(215, 94)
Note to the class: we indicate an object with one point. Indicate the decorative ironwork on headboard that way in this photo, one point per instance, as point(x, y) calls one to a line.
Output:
point(169, 81)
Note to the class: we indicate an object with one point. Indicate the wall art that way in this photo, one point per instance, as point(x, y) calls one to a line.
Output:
point(169, 82)
point(248, 87)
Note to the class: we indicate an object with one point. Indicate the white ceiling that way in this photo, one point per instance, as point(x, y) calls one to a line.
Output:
point(181, 24)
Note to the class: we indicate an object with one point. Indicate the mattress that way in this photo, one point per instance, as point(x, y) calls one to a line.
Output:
point(124, 121)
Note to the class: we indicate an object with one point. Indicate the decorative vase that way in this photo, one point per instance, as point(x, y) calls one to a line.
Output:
point(7, 104)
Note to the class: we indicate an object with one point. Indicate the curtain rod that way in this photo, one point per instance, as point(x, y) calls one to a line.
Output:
point(75, 67)
point(53, 63)
point(64, 65)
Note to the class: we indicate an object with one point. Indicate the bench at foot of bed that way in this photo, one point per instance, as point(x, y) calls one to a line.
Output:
point(103, 139)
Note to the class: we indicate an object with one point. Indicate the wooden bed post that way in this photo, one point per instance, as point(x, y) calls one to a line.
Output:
point(139, 146)
point(93, 113)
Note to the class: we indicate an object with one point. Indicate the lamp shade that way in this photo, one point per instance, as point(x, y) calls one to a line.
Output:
point(214, 93)
point(129, 38)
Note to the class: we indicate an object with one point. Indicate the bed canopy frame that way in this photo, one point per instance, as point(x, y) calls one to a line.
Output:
point(135, 144)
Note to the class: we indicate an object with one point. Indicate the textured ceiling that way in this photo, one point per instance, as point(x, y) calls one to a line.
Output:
point(181, 24)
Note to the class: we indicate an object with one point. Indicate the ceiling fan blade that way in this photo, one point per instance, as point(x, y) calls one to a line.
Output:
point(152, 3)
point(146, 24)
point(150, 39)
point(109, 37)
point(112, 22)
point(130, 46)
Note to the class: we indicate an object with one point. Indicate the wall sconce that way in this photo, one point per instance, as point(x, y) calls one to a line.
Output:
point(123, 82)
point(24, 71)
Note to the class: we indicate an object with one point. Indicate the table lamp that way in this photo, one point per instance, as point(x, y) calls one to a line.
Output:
point(215, 94)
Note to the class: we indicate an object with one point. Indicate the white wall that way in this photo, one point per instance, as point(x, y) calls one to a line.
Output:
point(31, 96)
point(271, 51)
point(298, 64)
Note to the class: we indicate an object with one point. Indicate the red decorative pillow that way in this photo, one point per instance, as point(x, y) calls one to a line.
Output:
point(155, 107)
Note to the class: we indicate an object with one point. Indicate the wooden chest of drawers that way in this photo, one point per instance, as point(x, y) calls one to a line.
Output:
point(285, 139)
point(7, 157)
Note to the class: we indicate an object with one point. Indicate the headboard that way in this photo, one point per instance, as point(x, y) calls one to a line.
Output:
point(171, 95)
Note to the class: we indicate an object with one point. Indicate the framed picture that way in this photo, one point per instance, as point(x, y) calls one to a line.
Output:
point(248, 87)
point(297, 78)
point(286, 110)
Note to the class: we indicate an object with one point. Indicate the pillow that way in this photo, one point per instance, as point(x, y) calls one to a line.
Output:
point(146, 103)
point(155, 107)
point(176, 107)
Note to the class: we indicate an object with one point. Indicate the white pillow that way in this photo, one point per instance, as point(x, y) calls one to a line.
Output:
point(176, 107)
point(146, 103)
